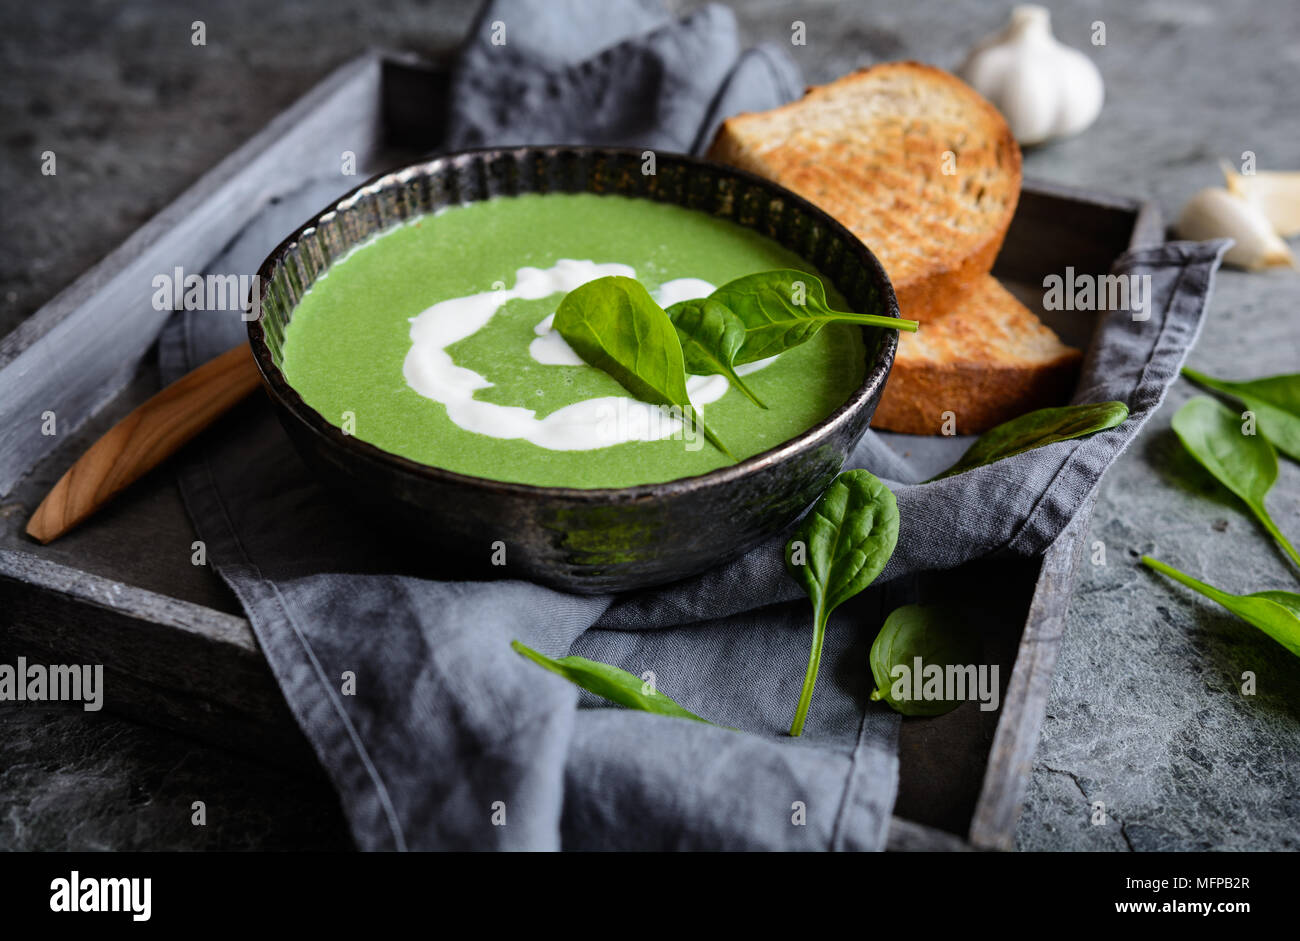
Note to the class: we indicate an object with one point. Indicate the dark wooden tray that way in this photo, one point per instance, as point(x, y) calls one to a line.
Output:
point(176, 649)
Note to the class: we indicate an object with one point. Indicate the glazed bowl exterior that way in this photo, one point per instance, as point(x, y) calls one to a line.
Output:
point(580, 540)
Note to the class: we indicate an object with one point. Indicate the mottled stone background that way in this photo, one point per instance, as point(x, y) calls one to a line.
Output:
point(1145, 714)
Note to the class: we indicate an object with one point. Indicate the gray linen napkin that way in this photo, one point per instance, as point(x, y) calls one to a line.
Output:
point(615, 74)
point(450, 740)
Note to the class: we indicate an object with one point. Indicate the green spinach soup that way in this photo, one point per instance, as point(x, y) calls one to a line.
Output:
point(435, 341)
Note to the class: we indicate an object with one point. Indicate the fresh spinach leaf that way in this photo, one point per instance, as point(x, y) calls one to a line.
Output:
point(1276, 613)
point(1245, 464)
point(1275, 400)
point(838, 550)
point(1036, 429)
point(614, 324)
point(613, 684)
point(931, 633)
point(711, 337)
point(785, 307)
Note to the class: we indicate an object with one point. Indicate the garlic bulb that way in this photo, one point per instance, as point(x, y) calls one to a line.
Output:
point(1277, 195)
point(1214, 213)
point(1043, 88)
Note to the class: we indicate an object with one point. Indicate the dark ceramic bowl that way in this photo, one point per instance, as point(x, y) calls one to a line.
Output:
point(580, 540)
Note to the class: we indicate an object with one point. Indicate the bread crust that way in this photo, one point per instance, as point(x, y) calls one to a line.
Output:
point(979, 396)
point(881, 172)
point(985, 360)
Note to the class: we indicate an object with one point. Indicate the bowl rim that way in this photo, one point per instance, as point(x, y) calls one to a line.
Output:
point(289, 398)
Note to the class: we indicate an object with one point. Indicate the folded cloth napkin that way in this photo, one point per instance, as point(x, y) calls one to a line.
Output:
point(435, 733)
point(618, 74)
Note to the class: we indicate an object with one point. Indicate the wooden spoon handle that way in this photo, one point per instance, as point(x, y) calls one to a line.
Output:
point(144, 439)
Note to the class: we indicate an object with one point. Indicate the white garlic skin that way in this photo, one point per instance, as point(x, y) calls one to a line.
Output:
point(1215, 213)
point(1044, 89)
point(1275, 194)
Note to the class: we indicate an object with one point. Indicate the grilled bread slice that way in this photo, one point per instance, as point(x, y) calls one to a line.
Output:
point(908, 157)
point(927, 174)
point(986, 359)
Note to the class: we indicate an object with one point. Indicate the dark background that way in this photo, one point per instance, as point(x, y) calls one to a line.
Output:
point(1144, 713)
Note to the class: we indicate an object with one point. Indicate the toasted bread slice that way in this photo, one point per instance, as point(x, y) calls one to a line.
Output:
point(986, 359)
point(912, 160)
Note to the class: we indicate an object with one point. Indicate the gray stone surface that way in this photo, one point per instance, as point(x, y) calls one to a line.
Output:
point(77, 781)
point(1145, 714)
point(134, 112)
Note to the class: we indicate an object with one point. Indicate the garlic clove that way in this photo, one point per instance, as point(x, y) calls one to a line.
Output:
point(1043, 88)
point(1276, 195)
point(1084, 93)
point(1030, 107)
point(1215, 213)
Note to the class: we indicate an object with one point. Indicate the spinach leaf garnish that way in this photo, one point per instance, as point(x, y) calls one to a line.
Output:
point(613, 684)
point(1275, 400)
point(711, 337)
point(838, 550)
point(1245, 464)
point(1036, 429)
point(934, 634)
point(1276, 613)
point(614, 325)
point(785, 307)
